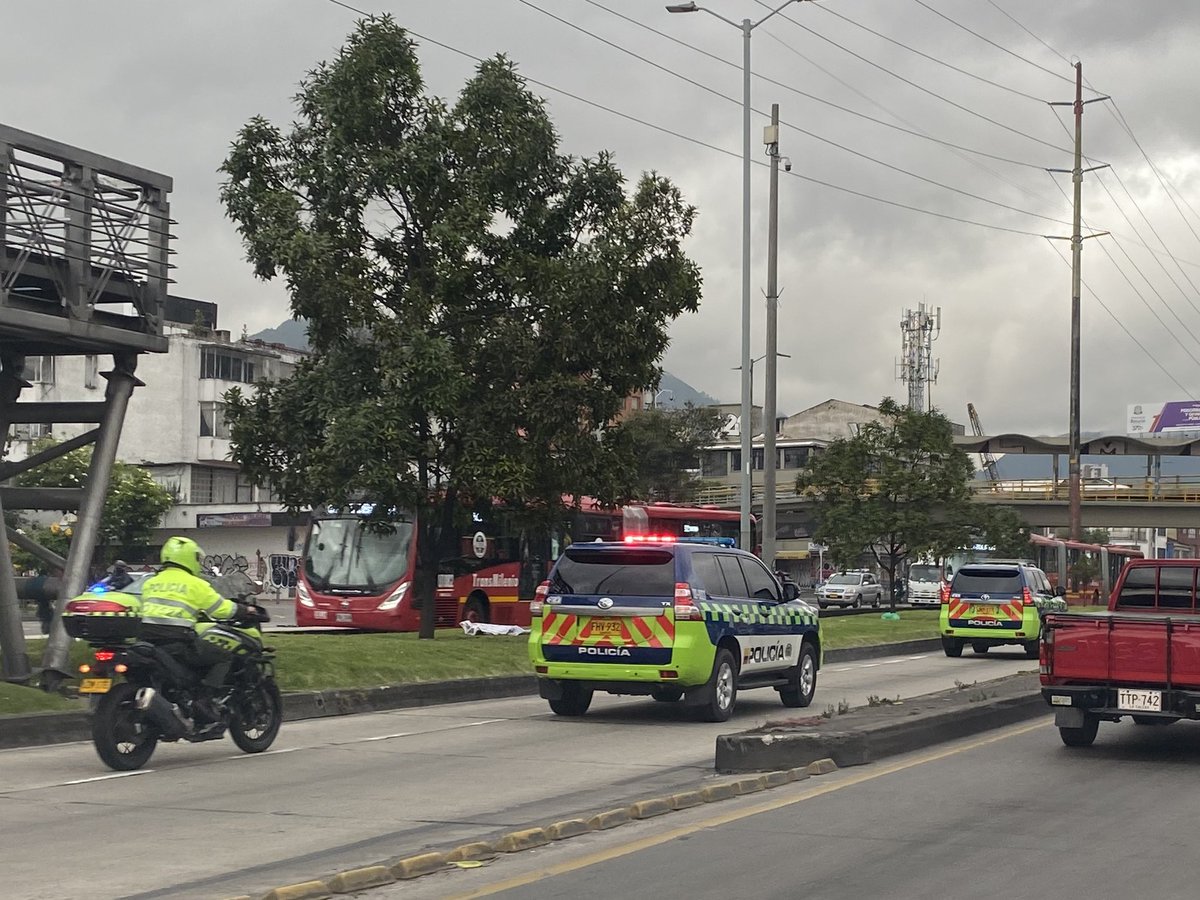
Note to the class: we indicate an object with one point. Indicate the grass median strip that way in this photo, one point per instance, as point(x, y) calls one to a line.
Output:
point(319, 661)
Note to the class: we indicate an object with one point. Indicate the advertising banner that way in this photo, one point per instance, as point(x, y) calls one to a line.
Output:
point(1176, 417)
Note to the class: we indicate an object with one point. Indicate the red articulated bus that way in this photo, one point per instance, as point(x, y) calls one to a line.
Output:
point(352, 577)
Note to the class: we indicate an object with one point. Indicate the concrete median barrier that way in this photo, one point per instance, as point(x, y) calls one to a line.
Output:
point(867, 734)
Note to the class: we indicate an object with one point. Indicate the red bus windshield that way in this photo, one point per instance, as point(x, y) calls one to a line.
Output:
point(343, 555)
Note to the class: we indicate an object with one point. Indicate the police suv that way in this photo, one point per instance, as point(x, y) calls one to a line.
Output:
point(675, 620)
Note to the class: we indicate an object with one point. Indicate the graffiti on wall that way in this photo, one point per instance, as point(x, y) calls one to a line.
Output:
point(283, 571)
point(225, 563)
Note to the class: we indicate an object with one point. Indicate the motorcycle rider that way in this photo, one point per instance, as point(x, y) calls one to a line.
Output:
point(173, 603)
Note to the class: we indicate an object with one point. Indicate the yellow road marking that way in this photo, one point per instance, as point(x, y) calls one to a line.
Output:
point(649, 841)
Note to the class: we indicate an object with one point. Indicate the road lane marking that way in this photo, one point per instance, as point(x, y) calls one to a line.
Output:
point(107, 777)
point(645, 843)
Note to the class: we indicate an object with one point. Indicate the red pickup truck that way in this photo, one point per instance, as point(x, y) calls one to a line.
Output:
point(1140, 658)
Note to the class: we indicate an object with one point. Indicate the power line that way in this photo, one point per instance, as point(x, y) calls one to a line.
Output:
point(919, 87)
point(797, 128)
point(933, 59)
point(1121, 325)
point(706, 145)
point(1031, 34)
point(801, 93)
point(999, 47)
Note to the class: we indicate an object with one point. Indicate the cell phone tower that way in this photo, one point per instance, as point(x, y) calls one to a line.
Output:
point(919, 328)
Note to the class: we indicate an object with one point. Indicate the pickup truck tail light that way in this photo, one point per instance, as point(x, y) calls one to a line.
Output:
point(685, 603)
point(539, 599)
point(1027, 597)
point(1046, 654)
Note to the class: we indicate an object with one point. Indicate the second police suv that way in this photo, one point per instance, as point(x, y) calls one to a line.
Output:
point(675, 620)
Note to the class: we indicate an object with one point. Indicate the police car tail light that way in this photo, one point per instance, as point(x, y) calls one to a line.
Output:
point(945, 593)
point(685, 604)
point(539, 598)
point(1026, 597)
point(303, 595)
point(395, 597)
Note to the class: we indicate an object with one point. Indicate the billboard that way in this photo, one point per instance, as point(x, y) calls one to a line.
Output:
point(1176, 417)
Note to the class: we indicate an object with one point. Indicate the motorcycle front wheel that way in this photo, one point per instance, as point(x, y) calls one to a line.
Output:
point(255, 716)
point(123, 739)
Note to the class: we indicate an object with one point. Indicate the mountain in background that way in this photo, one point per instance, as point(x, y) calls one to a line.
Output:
point(672, 392)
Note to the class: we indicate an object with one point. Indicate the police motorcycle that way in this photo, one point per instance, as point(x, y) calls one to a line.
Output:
point(140, 694)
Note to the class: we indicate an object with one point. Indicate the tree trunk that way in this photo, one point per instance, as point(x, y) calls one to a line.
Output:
point(425, 577)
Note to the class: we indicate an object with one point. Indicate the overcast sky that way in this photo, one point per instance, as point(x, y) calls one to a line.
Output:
point(166, 85)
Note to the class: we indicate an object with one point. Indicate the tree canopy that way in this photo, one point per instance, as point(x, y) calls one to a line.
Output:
point(480, 304)
point(665, 446)
point(132, 509)
point(895, 490)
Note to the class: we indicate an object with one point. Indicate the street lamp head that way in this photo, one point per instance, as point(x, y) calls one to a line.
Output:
point(682, 7)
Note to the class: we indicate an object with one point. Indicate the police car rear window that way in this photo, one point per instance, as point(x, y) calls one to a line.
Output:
point(987, 581)
point(636, 572)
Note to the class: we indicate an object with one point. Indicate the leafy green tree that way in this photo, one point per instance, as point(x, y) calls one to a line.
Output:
point(1002, 528)
point(896, 490)
point(132, 509)
point(479, 304)
point(665, 446)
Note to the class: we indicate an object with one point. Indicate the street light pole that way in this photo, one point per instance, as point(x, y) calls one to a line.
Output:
point(745, 428)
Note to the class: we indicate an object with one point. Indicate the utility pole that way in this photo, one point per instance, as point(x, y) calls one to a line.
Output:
point(1074, 493)
point(771, 139)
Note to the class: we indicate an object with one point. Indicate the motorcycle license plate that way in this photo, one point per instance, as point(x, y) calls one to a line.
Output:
point(95, 685)
point(345, 617)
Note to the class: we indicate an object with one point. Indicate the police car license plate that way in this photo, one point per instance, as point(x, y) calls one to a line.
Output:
point(985, 610)
point(1139, 701)
point(95, 685)
point(606, 627)
point(345, 617)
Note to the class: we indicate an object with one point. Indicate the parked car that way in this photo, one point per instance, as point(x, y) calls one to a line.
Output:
point(850, 589)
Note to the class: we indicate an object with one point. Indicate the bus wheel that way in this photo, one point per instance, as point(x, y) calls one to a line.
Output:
point(475, 610)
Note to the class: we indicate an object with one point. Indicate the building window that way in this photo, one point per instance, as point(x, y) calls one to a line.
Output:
point(39, 370)
point(225, 366)
point(714, 463)
point(213, 485)
point(91, 371)
point(795, 457)
point(212, 420)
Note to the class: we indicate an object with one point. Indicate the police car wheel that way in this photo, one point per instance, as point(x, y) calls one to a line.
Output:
point(953, 647)
point(980, 648)
point(575, 700)
point(722, 688)
point(802, 680)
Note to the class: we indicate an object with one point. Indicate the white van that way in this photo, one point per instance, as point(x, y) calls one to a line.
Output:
point(924, 584)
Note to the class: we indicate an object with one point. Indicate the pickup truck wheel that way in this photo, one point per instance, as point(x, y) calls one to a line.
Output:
point(574, 702)
point(802, 680)
point(1031, 649)
point(722, 688)
point(1084, 735)
point(953, 647)
point(1152, 720)
point(980, 648)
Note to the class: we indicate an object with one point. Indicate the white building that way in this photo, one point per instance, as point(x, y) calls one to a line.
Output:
point(175, 428)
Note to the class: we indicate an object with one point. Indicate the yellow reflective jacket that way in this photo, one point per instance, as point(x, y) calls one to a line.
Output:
point(177, 597)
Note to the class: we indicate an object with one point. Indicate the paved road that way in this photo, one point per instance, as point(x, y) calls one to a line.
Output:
point(1013, 815)
point(337, 793)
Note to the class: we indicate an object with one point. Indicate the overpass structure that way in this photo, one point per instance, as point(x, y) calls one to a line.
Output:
point(1141, 502)
point(84, 262)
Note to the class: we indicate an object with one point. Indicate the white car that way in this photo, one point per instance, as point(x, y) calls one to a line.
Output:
point(850, 589)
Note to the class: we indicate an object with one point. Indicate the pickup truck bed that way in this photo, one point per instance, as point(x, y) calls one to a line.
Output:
point(1141, 658)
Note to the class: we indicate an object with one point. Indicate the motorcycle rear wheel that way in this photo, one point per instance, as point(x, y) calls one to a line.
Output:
point(255, 716)
point(123, 739)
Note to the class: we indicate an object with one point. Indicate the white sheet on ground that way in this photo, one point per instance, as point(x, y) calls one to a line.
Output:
point(474, 628)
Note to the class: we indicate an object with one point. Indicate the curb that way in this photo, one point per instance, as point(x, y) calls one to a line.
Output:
point(35, 729)
point(867, 735)
point(529, 838)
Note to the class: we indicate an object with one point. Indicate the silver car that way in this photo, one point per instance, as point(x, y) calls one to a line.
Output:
point(850, 589)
